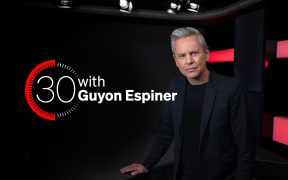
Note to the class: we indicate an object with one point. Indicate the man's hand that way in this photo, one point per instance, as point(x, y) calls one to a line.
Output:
point(134, 169)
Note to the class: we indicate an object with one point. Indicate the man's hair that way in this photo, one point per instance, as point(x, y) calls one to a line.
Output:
point(185, 32)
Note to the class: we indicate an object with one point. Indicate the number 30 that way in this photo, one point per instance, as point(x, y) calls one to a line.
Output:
point(57, 89)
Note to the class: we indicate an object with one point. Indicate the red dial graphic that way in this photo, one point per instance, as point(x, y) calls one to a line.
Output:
point(58, 105)
point(28, 90)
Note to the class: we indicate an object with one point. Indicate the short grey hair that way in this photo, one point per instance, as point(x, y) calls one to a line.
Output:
point(185, 32)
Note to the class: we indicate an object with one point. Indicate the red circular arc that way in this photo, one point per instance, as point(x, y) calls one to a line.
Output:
point(28, 90)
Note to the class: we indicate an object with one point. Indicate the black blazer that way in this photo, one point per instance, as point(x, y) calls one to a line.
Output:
point(227, 139)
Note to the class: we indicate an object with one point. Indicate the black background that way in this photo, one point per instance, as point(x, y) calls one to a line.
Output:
point(96, 140)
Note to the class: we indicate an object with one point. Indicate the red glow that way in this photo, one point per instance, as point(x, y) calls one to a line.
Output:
point(282, 49)
point(28, 90)
point(226, 55)
point(280, 129)
point(266, 63)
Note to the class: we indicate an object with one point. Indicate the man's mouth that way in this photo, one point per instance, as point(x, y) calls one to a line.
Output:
point(192, 69)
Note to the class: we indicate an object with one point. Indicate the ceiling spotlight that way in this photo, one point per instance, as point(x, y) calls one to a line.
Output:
point(190, 6)
point(174, 7)
point(64, 3)
point(125, 6)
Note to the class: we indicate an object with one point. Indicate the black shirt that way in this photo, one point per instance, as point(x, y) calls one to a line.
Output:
point(190, 161)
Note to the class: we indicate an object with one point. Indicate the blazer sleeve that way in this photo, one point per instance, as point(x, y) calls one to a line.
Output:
point(163, 138)
point(243, 133)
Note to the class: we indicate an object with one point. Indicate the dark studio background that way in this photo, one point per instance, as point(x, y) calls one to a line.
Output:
point(96, 140)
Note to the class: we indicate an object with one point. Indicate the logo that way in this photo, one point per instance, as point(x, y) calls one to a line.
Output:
point(50, 90)
point(54, 90)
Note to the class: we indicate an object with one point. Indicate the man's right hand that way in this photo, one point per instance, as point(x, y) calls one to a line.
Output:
point(134, 169)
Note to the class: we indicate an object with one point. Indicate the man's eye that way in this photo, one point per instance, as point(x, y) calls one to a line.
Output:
point(194, 53)
point(181, 56)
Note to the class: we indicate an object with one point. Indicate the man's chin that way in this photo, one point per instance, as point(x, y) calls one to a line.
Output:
point(192, 76)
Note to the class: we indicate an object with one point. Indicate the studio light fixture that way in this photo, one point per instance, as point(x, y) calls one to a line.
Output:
point(125, 6)
point(64, 3)
point(189, 5)
point(174, 7)
point(192, 6)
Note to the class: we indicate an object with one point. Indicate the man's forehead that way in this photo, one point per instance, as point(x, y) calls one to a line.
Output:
point(187, 44)
point(189, 40)
point(187, 48)
point(181, 51)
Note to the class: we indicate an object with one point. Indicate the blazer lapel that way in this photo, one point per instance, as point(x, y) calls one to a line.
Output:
point(207, 108)
point(208, 103)
point(180, 106)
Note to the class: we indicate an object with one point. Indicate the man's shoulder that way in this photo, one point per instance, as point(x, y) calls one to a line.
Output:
point(223, 81)
point(228, 83)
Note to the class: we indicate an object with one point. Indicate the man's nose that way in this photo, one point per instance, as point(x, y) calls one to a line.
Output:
point(189, 59)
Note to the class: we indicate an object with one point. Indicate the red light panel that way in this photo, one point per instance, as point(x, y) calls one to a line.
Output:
point(282, 49)
point(280, 129)
point(226, 55)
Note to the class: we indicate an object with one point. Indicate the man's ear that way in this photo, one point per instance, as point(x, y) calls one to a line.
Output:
point(208, 53)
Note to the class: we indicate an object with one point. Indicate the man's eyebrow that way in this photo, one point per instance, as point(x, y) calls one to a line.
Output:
point(179, 54)
point(197, 50)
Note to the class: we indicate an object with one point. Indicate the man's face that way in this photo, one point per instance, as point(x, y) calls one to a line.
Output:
point(190, 57)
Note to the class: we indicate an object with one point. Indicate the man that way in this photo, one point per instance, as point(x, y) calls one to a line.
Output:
point(209, 120)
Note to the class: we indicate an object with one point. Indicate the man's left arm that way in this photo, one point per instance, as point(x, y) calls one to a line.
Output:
point(243, 133)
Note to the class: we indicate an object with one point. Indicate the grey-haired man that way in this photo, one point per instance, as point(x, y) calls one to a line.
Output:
point(209, 120)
